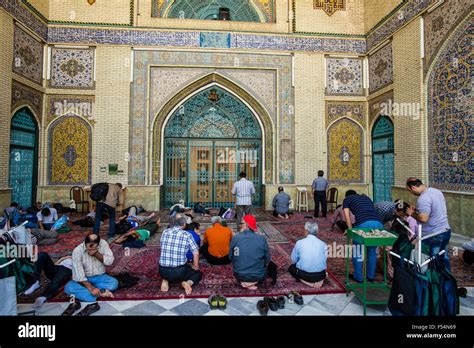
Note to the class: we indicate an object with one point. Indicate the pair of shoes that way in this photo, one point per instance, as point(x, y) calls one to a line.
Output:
point(262, 307)
point(295, 297)
point(271, 302)
point(217, 302)
point(88, 310)
point(71, 309)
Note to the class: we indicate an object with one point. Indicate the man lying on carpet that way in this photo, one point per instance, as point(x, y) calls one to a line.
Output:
point(173, 264)
point(250, 255)
point(89, 280)
point(143, 232)
point(309, 256)
point(58, 273)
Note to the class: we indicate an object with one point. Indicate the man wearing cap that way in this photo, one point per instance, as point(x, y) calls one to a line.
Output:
point(244, 190)
point(250, 255)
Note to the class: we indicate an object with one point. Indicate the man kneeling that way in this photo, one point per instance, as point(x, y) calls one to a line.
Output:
point(175, 243)
point(309, 256)
point(250, 256)
point(89, 280)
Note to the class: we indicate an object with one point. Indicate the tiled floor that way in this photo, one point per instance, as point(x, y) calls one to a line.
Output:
point(332, 304)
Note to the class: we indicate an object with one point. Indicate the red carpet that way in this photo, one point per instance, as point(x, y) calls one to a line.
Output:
point(281, 234)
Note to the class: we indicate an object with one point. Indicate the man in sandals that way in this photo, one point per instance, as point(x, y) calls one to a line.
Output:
point(250, 255)
point(89, 280)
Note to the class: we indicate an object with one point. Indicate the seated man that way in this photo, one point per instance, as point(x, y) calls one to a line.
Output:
point(89, 280)
point(13, 213)
point(46, 218)
point(173, 267)
point(250, 255)
point(309, 256)
point(216, 243)
point(58, 273)
point(193, 229)
point(281, 204)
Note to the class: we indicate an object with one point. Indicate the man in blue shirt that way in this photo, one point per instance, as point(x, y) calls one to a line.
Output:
point(432, 213)
point(366, 216)
point(320, 185)
point(309, 256)
point(250, 255)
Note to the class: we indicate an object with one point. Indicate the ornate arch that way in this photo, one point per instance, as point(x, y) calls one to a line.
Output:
point(451, 164)
point(345, 152)
point(69, 151)
point(191, 89)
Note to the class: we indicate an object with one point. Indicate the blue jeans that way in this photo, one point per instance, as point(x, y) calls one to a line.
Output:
point(99, 211)
point(371, 254)
point(438, 243)
point(47, 226)
point(102, 282)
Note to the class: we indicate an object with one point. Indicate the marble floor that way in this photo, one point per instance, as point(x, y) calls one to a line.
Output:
point(323, 305)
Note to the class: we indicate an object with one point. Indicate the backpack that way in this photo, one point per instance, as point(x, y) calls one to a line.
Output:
point(99, 191)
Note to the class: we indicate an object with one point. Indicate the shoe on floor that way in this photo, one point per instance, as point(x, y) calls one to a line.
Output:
point(222, 302)
point(71, 309)
point(213, 302)
point(88, 310)
point(262, 307)
point(281, 302)
point(296, 297)
point(351, 277)
point(271, 302)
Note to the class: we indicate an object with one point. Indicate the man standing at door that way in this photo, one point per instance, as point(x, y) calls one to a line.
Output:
point(244, 190)
point(320, 185)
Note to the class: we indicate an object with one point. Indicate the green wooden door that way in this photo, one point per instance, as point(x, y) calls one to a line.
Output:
point(23, 158)
point(208, 140)
point(382, 159)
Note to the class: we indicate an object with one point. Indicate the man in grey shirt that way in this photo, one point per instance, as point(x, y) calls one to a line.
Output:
point(250, 255)
point(431, 212)
point(320, 185)
point(281, 204)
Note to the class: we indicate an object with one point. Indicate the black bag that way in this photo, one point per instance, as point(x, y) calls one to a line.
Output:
point(99, 191)
point(125, 280)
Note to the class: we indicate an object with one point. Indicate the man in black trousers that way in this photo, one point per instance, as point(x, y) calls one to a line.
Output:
point(320, 185)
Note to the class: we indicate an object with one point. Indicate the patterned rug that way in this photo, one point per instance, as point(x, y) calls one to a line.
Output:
point(281, 235)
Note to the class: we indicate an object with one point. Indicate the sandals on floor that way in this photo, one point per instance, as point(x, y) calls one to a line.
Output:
point(71, 309)
point(213, 302)
point(88, 310)
point(217, 302)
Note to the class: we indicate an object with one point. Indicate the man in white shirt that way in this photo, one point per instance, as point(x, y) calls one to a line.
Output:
point(46, 218)
point(244, 190)
point(89, 280)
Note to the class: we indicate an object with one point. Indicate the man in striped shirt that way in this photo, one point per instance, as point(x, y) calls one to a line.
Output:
point(366, 216)
point(173, 267)
point(244, 190)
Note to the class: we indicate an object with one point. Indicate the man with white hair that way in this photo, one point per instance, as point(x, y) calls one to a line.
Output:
point(216, 243)
point(309, 258)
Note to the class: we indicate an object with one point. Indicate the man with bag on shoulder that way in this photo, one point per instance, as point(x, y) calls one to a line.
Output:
point(113, 198)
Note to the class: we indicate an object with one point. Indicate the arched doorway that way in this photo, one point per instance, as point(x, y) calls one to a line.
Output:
point(382, 159)
point(23, 171)
point(208, 140)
